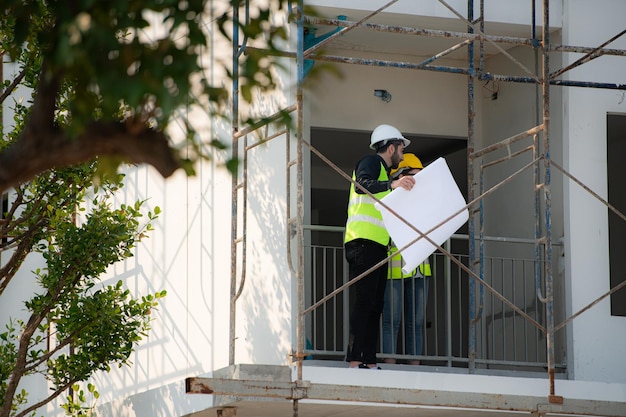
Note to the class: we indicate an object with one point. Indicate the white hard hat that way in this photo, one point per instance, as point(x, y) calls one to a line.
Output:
point(384, 133)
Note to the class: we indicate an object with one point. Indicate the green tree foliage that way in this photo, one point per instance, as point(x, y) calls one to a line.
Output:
point(80, 406)
point(75, 326)
point(116, 88)
point(103, 93)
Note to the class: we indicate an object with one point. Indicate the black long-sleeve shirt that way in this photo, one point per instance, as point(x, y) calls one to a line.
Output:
point(367, 172)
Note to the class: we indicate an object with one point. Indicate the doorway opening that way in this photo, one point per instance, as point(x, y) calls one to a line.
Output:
point(616, 148)
point(329, 190)
point(327, 326)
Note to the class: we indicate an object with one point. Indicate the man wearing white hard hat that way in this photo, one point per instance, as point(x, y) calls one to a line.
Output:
point(366, 241)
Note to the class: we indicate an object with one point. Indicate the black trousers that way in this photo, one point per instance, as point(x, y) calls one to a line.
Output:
point(362, 254)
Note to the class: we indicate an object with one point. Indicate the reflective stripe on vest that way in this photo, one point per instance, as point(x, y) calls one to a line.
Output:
point(395, 267)
point(364, 220)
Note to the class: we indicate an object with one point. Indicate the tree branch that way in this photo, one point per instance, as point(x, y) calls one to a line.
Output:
point(7, 92)
point(20, 363)
point(8, 271)
point(42, 148)
point(32, 365)
point(10, 268)
point(46, 400)
point(44, 102)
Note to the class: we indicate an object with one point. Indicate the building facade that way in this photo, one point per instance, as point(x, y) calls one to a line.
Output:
point(255, 320)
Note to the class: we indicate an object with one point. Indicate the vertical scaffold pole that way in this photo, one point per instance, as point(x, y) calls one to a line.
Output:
point(470, 183)
point(300, 202)
point(235, 189)
point(548, 203)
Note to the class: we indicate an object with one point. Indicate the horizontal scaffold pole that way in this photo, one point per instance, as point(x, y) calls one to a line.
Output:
point(301, 390)
point(446, 69)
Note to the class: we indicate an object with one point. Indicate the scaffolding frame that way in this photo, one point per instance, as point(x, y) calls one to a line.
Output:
point(541, 157)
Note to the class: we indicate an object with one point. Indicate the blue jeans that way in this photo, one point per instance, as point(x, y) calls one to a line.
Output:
point(412, 293)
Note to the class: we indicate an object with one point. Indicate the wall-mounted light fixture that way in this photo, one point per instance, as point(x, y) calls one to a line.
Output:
point(383, 94)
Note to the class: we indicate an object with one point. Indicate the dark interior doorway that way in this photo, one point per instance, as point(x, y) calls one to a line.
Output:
point(329, 190)
point(329, 199)
point(616, 149)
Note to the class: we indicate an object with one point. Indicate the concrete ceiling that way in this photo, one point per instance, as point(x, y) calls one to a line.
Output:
point(412, 47)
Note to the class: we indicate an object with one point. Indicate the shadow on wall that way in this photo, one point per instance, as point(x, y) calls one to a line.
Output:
point(164, 401)
point(265, 306)
point(181, 341)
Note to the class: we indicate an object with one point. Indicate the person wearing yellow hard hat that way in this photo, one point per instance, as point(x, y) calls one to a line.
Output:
point(410, 165)
point(406, 294)
point(366, 241)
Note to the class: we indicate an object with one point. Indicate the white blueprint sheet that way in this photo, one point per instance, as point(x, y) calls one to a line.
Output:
point(434, 198)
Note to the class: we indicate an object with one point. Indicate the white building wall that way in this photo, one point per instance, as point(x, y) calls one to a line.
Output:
point(265, 310)
point(423, 102)
point(597, 338)
point(264, 316)
point(189, 255)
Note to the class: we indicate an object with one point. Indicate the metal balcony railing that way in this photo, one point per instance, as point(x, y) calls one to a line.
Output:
point(505, 340)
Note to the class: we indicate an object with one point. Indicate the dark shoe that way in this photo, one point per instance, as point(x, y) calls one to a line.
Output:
point(364, 366)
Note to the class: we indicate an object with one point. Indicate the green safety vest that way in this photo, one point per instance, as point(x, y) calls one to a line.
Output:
point(364, 220)
point(395, 267)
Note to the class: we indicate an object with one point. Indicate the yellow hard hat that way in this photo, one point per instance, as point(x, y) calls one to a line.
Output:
point(409, 162)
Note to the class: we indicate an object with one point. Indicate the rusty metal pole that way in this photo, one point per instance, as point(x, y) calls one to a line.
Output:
point(546, 135)
point(235, 190)
point(299, 203)
point(470, 187)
